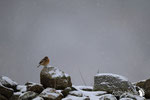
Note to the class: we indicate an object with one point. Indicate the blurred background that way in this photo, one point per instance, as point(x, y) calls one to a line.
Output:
point(112, 36)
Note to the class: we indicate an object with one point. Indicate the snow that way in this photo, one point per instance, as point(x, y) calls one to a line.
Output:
point(22, 88)
point(55, 72)
point(113, 75)
point(93, 95)
point(38, 98)
point(8, 80)
point(70, 97)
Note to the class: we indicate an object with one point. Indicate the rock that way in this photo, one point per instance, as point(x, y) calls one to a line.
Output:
point(38, 88)
point(131, 96)
point(107, 97)
point(70, 97)
point(15, 96)
point(28, 95)
point(7, 82)
point(114, 84)
point(51, 94)
point(7, 92)
point(66, 91)
point(54, 78)
point(3, 97)
point(38, 98)
point(145, 85)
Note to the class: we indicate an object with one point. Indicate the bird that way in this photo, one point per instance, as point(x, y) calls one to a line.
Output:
point(45, 61)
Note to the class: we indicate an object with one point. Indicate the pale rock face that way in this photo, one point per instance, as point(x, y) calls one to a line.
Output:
point(54, 78)
point(114, 84)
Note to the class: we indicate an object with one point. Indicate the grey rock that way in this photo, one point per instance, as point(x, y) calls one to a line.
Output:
point(54, 78)
point(114, 84)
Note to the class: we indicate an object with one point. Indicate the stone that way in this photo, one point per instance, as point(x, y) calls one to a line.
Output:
point(7, 92)
point(113, 84)
point(145, 85)
point(107, 97)
point(15, 96)
point(29, 95)
point(54, 78)
point(35, 87)
point(66, 91)
point(134, 97)
point(51, 94)
point(3, 97)
point(7, 82)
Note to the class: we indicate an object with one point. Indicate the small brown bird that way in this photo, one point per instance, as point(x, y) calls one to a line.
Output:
point(45, 61)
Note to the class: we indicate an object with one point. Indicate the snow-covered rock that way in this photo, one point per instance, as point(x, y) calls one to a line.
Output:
point(134, 97)
point(54, 78)
point(27, 95)
point(7, 82)
point(51, 94)
point(70, 97)
point(76, 93)
point(107, 97)
point(35, 87)
point(15, 96)
point(114, 84)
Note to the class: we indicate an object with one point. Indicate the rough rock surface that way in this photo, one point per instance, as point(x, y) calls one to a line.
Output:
point(114, 84)
point(35, 87)
point(54, 78)
point(7, 92)
point(51, 94)
point(28, 95)
point(107, 97)
point(15, 96)
point(38, 98)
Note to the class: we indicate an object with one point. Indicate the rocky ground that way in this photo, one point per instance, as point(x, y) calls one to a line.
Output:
point(56, 85)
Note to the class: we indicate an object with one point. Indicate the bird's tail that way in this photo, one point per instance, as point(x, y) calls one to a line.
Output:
point(38, 66)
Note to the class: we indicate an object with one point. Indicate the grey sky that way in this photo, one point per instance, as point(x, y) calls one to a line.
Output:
point(110, 35)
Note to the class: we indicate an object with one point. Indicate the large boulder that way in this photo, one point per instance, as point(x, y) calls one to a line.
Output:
point(145, 85)
point(51, 94)
point(54, 78)
point(35, 87)
point(114, 84)
point(7, 82)
point(7, 92)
